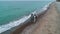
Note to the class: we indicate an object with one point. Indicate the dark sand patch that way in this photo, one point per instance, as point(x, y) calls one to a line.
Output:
point(47, 24)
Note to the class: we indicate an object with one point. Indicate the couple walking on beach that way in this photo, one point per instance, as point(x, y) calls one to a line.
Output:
point(33, 18)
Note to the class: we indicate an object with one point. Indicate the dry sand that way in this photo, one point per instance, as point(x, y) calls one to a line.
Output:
point(48, 24)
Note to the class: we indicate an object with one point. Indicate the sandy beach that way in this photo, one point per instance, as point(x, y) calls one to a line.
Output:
point(47, 24)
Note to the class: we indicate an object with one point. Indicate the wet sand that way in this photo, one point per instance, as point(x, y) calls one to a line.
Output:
point(47, 24)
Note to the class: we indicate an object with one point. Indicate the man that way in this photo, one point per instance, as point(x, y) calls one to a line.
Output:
point(32, 18)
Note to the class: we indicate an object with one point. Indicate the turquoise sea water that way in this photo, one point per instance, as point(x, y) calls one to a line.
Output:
point(13, 10)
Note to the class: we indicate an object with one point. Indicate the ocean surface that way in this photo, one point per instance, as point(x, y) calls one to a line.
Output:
point(14, 10)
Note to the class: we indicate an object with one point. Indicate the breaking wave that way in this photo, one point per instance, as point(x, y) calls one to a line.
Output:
point(18, 22)
point(13, 24)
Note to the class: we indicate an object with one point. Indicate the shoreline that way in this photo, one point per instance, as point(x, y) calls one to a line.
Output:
point(20, 29)
point(47, 24)
point(28, 23)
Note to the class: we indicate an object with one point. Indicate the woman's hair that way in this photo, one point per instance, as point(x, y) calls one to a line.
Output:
point(58, 0)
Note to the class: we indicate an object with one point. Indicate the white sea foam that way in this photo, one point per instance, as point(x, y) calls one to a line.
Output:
point(45, 8)
point(13, 24)
point(18, 22)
